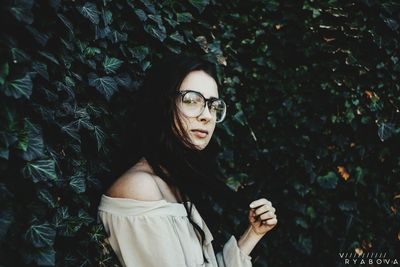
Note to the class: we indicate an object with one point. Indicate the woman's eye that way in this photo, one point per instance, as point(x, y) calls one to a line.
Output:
point(190, 101)
point(215, 106)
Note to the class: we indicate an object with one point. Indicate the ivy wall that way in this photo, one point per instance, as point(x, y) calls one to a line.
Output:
point(313, 119)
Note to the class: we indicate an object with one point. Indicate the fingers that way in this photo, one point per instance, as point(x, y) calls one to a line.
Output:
point(262, 209)
point(271, 221)
point(267, 215)
point(262, 205)
point(259, 202)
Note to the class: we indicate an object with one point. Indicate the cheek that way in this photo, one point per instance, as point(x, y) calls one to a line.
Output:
point(212, 131)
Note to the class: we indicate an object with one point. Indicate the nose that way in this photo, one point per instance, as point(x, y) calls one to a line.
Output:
point(205, 115)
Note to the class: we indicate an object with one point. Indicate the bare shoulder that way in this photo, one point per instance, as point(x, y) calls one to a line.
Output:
point(139, 185)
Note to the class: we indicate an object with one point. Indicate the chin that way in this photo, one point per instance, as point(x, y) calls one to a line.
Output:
point(201, 146)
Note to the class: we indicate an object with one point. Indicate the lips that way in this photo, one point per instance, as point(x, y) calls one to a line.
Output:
point(199, 133)
point(200, 130)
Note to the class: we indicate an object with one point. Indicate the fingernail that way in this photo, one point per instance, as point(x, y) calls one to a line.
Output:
point(251, 205)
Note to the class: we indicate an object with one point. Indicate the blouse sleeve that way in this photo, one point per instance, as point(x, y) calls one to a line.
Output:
point(232, 256)
point(144, 241)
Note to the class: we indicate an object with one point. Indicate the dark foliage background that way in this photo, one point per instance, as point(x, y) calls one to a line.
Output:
point(313, 120)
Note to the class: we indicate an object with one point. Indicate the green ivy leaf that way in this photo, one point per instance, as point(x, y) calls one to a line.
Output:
point(84, 119)
point(93, 182)
point(239, 117)
point(111, 64)
point(40, 170)
point(41, 235)
point(7, 139)
point(156, 18)
point(100, 137)
point(89, 10)
point(34, 142)
point(310, 212)
point(4, 70)
point(359, 175)
point(141, 14)
point(45, 196)
point(91, 51)
point(97, 232)
point(177, 37)
point(124, 80)
point(40, 37)
point(71, 226)
point(41, 69)
point(45, 256)
point(233, 183)
point(19, 88)
point(107, 17)
point(22, 11)
point(228, 129)
point(4, 153)
point(19, 56)
point(101, 32)
point(139, 52)
point(60, 217)
point(94, 110)
point(85, 217)
point(328, 181)
point(115, 36)
point(149, 6)
point(22, 144)
point(72, 129)
point(77, 182)
point(391, 23)
point(386, 130)
point(67, 23)
point(199, 4)
point(106, 85)
point(159, 32)
point(184, 17)
point(49, 56)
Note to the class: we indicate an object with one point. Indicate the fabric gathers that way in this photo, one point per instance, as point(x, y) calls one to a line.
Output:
point(159, 234)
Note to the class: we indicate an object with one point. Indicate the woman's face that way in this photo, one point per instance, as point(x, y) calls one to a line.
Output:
point(203, 83)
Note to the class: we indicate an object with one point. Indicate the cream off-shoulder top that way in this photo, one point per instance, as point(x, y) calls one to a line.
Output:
point(159, 234)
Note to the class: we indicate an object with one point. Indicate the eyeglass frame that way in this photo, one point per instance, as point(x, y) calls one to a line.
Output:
point(206, 101)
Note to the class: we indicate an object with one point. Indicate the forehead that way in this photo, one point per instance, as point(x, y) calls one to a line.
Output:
point(200, 81)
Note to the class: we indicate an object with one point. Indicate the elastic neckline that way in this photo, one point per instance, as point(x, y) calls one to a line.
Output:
point(142, 201)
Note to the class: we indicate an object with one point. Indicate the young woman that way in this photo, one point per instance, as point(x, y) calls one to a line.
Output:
point(151, 212)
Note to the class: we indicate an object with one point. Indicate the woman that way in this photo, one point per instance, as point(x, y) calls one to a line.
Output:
point(151, 212)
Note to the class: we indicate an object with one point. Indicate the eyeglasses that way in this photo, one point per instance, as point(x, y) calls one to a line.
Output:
point(193, 104)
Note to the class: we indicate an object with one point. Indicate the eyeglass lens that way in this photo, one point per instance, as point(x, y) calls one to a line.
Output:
point(193, 105)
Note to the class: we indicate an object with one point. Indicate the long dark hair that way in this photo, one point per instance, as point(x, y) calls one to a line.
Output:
point(170, 152)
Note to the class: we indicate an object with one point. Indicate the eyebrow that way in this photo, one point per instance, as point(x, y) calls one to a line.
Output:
point(210, 98)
